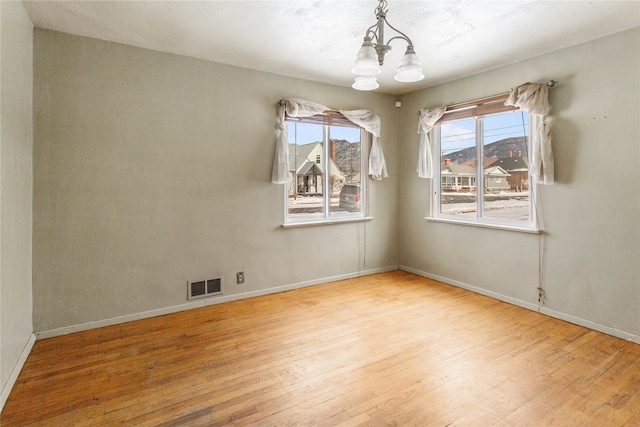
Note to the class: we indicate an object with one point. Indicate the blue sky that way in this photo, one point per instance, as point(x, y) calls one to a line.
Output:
point(455, 135)
point(461, 134)
point(307, 133)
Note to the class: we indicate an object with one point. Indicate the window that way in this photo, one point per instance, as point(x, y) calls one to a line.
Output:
point(326, 159)
point(483, 168)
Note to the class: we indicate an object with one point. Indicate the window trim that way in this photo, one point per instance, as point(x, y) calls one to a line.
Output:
point(535, 230)
point(326, 222)
point(327, 119)
point(435, 214)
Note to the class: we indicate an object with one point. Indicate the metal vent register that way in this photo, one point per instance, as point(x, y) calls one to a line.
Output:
point(203, 288)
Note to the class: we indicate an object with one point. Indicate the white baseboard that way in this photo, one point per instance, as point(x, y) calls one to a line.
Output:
point(13, 377)
point(202, 303)
point(227, 298)
point(534, 307)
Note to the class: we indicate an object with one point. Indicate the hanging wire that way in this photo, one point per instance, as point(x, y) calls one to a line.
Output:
point(534, 204)
point(295, 162)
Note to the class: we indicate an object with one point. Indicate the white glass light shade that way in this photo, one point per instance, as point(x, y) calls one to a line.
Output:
point(365, 83)
point(367, 60)
point(410, 69)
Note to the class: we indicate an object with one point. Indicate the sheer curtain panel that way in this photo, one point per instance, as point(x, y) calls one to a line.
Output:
point(534, 99)
point(292, 108)
point(427, 119)
point(370, 122)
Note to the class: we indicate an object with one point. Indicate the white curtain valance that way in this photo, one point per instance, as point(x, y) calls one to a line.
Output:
point(366, 119)
point(534, 99)
point(530, 97)
point(427, 119)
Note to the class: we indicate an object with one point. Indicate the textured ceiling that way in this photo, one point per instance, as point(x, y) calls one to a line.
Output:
point(318, 40)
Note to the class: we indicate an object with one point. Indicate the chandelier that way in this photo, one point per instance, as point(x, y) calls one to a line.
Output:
point(374, 49)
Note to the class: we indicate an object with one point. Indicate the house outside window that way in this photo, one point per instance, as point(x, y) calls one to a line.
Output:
point(326, 162)
point(484, 173)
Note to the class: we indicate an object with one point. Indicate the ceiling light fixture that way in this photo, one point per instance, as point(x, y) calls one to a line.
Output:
point(373, 50)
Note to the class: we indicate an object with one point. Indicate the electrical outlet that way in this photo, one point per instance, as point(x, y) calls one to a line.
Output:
point(240, 277)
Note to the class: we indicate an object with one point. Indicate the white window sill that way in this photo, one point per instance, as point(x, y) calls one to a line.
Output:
point(486, 225)
point(326, 221)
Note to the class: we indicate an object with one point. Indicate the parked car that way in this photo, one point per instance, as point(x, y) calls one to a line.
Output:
point(350, 197)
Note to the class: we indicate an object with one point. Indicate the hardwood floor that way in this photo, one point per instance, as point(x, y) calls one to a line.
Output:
point(386, 349)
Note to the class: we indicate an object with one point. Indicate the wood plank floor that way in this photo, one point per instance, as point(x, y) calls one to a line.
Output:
point(385, 349)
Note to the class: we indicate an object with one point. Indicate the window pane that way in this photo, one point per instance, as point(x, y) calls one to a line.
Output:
point(458, 167)
point(506, 168)
point(345, 164)
point(305, 195)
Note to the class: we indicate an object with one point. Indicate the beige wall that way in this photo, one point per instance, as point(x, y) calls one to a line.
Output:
point(587, 260)
point(16, 140)
point(153, 169)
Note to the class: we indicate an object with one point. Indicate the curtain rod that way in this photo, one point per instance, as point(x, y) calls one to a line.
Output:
point(550, 83)
point(329, 111)
point(494, 98)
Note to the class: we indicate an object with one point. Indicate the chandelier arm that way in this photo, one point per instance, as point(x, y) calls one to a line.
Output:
point(401, 36)
point(406, 39)
point(371, 33)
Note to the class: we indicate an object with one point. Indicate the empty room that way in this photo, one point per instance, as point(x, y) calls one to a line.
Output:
point(320, 213)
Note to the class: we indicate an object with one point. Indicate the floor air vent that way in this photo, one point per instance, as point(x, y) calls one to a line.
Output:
point(204, 288)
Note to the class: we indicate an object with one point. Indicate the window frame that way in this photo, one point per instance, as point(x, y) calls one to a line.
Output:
point(327, 120)
point(435, 214)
